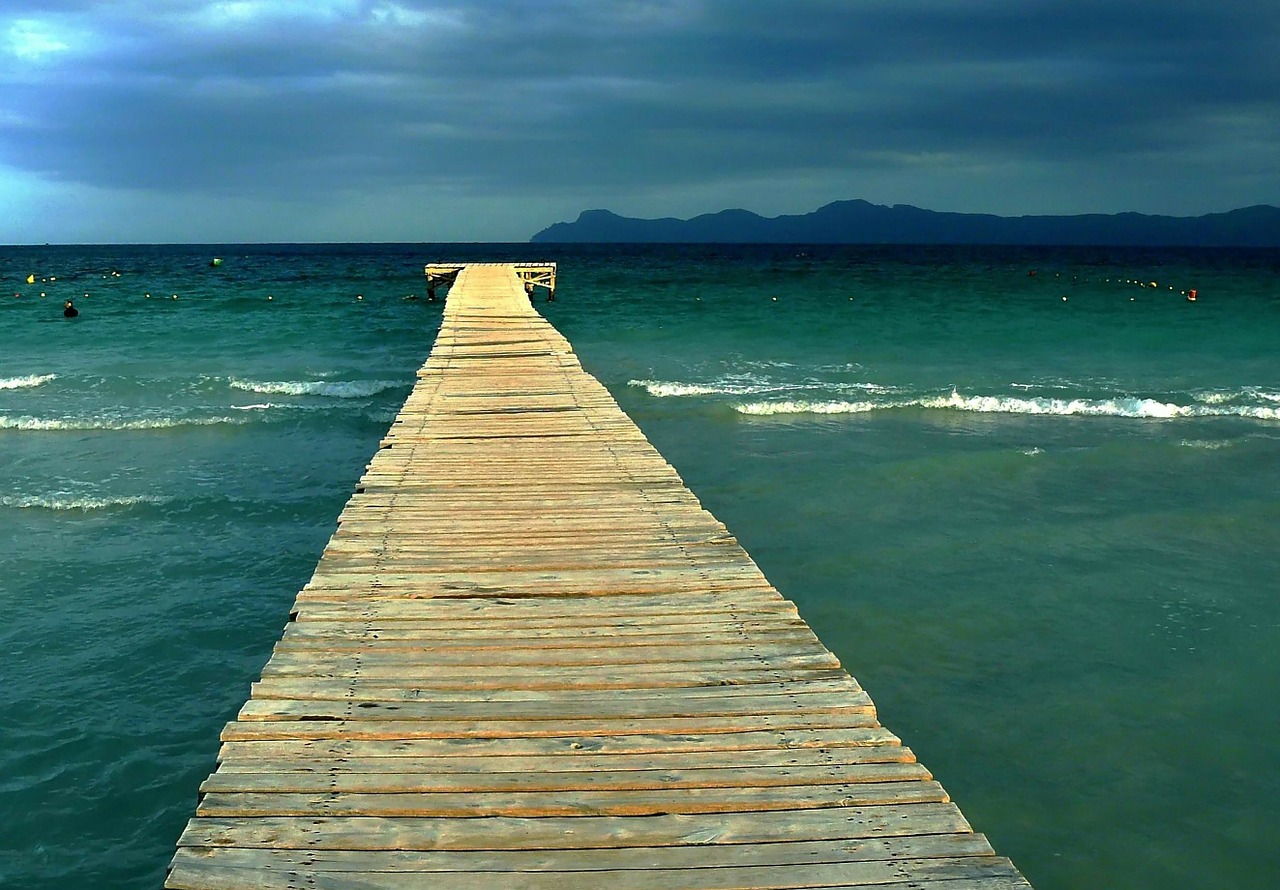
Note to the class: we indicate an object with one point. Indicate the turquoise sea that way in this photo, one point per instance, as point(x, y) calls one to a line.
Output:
point(1043, 532)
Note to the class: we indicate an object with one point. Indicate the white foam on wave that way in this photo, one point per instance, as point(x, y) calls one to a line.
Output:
point(25, 382)
point(42, 424)
point(1258, 413)
point(1213, 398)
point(766, 409)
point(1221, 397)
point(1122, 407)
point(1206, 444)
point(276, 406)
point(338, 389)
point(65, 501)
point(1058, 385)
point(769, 364)
point(666, 389)
point(1114, 407)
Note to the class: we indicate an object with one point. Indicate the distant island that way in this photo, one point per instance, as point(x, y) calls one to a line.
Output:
point(861, 222)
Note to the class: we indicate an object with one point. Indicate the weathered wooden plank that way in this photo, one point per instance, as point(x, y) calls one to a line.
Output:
point(780, 852)
point(208, 875)
point(705, 658)
point(679, 630)
point(579, 610)
point(339, 746)
point(362, 582)
point(437, 639)
point(786, 642)
point(324, 727)
point(696, 832)
point(580, 762)
point(422, 676)
point(641, 802)
point(378, 662)
point(994, 873)
point(552, 781)
point(364, 689)
point(604, 578)
point(547, 612)
point(560, 710)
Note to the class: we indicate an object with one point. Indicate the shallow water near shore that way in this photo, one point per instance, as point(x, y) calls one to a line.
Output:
point(1041, 532)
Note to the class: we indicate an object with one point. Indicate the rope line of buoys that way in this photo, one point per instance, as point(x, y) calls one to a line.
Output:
point(1191, 294)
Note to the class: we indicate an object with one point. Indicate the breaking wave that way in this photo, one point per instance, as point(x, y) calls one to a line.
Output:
point(1114, 407)
point(1220, 397)
point(276, 406)
point(665, 389)
point(1122, 407)
point(43, 424)
point(338, 389)
point(71, 502)
point(25, 382)
point(770, 408)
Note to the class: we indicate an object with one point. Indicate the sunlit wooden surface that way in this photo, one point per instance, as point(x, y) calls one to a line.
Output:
point(529, 658)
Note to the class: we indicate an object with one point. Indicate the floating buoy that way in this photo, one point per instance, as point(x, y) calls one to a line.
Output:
point(1191, 296)
point(31, 279)
point(216, 261)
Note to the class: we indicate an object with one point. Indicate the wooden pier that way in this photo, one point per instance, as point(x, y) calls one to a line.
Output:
point(528, 658)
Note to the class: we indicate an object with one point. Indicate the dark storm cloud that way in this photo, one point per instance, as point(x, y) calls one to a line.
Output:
point(291, 98)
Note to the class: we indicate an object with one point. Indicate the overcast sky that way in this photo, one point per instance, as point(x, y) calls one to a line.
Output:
point(340, 120)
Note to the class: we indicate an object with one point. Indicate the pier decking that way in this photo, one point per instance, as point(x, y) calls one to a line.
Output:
point(529, 658)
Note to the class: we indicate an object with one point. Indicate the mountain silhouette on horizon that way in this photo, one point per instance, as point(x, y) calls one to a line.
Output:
point(861, 222)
